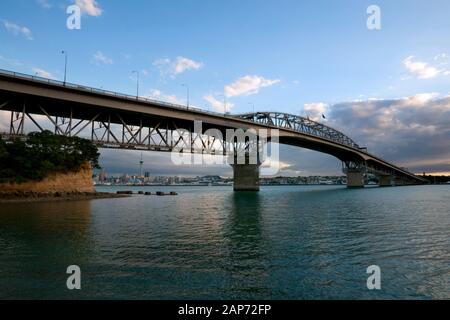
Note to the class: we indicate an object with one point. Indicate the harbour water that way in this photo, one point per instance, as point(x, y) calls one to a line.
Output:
point(299, 242)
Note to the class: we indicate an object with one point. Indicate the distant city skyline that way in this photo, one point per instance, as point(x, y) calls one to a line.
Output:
point(388, 89)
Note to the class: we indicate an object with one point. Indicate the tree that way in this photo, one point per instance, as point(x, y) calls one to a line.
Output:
point(43, 153)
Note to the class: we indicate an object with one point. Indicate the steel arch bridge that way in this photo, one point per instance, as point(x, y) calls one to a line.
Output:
point(118, 121)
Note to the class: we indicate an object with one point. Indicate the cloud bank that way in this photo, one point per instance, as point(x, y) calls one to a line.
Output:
point(413, 132)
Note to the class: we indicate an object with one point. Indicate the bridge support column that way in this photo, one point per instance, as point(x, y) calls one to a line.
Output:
point(385, 181)
point(355, 179)
point(399, 181)
point(246, 177)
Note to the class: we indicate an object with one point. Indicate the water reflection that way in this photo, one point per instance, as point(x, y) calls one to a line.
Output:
point(245, 258)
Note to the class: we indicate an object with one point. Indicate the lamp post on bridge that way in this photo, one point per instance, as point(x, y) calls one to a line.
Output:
point(187, 93)
point(224, 103)
point(64, 52)
point(253, 106)
point(137, 83)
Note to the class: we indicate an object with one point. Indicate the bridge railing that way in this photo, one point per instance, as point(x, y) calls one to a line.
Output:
point(105, 92)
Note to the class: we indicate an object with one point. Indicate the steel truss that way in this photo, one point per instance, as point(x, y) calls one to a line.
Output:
point(299, 124)
point(105, 134)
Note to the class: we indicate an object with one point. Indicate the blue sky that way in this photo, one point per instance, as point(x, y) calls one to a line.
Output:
point(277, 55)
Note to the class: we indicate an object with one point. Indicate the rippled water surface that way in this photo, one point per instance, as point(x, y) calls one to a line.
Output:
point(211, 243)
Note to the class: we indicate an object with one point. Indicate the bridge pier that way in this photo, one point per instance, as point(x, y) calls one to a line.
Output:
point(246, 177)
point(355, 178)
point(399, 181)
point(385, 181)
point(245, 170)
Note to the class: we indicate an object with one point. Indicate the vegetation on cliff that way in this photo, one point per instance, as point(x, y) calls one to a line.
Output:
point(43, 153)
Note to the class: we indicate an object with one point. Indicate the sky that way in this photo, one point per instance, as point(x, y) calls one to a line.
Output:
point(388, 89)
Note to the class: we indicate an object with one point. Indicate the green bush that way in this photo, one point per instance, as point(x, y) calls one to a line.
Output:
point(43, 153)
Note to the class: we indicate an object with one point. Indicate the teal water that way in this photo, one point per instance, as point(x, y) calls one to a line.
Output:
point(210, 243)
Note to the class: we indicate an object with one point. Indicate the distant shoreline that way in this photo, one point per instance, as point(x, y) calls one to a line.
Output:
point(206, 185)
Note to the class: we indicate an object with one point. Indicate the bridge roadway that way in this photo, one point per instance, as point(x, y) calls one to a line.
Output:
point(150, 125)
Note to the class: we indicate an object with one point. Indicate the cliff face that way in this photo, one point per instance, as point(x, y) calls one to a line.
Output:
point(71, 182)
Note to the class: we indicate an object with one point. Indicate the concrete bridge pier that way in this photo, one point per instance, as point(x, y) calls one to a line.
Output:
point(355, 178)
point(385, 181)
point(245, 170)
point(399, 181)
point(246, 177)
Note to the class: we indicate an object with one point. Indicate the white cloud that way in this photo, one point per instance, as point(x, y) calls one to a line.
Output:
point(43, 73)
point(101, 58)
point(180, 65)
point(15, 29)
point(159, 96)
point(442, 58)
point(89, 7)
point(420, 69)
point(11, 62)
point(217, 105)
point(44, 4)
point(314, 111)
point(418, 100)
point(183, 64)
point(272, 163)
point(248, 85)
point(161, 62)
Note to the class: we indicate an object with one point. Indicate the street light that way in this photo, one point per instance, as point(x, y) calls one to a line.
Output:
point(64, 52)
point(224, 103)
point(252, 104)
point(137, 83)
point(188, 93)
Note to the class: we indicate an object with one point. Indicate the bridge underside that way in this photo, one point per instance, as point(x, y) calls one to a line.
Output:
point(107, 129)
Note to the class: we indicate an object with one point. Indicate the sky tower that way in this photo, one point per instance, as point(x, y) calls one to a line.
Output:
point(141, 162)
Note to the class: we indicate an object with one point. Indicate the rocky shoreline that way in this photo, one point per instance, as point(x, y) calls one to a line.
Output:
point(30, 196)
